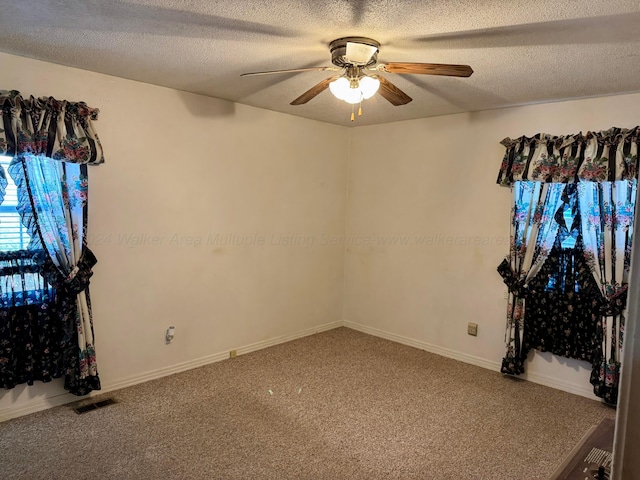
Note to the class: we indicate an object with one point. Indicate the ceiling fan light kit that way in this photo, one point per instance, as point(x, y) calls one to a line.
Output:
point(354, 89)
point(357, 56)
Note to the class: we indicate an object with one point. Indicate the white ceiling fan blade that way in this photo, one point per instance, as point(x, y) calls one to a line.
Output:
point(360, 53)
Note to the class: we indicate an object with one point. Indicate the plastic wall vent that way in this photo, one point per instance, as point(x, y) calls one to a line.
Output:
point(94, 406)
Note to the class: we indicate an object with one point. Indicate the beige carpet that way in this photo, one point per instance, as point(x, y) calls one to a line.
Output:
point(344, 405)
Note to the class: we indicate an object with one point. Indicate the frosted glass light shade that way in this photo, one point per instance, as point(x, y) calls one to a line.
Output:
point(354, 91)
point(369, 86)
point(353, 95)
point(340, 87)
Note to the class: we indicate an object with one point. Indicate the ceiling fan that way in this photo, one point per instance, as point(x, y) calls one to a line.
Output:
point(357, 58)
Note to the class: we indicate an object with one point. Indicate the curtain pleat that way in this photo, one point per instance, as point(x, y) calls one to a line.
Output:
point(609, 155)
point(47, 127)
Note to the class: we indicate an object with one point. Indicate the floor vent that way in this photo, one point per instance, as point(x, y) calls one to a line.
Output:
point(94, 406)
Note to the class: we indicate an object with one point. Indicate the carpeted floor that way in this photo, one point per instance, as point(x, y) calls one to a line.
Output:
point(336, 405)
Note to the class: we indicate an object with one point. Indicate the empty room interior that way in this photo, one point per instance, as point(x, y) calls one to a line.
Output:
point(319, 240)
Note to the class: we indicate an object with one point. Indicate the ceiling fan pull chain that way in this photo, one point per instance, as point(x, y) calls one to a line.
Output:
point(353, 116)
point(360, 109)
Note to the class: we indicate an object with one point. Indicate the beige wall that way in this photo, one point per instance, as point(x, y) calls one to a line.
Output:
point(431, 184)
point(181, 169)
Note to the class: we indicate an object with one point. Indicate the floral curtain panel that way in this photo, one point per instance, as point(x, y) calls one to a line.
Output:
point(52, 142)
point(604, 166)
point(607, 230)
point(609, 155)
point(52, 198)
point(533, 233)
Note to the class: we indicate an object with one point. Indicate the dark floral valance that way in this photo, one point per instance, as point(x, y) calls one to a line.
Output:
point(57, 129)
point(604, 156)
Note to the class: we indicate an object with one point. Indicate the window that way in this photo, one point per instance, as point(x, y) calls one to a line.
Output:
point(13, 235)
point(569, 229)
point(567, 254)
point(20, 280)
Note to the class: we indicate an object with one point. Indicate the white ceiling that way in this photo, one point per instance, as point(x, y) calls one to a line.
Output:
point(522, 51)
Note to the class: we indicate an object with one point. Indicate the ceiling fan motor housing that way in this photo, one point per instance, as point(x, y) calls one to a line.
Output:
point(338, 50)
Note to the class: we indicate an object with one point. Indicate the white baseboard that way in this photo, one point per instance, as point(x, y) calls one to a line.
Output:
point(44, 403)
point(428, 347)
point(37, 405)
point(576, 389)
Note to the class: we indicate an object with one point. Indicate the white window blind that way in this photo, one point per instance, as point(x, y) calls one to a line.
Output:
point(13, 235)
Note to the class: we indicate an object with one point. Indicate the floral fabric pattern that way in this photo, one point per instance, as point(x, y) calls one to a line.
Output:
point(48, 127)
point(38, 336)
point(73, 149)
point(607, 229)
point(595, 169)
point(51, 142)
point(52, 197)
point(533, 233)
point(564, 314)
point(573, 302)
point(31, 345)
point(609, 155)
point(604, 166)
point(3, 143)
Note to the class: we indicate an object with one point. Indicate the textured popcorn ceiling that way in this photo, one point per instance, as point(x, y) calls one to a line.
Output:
point(522, 51)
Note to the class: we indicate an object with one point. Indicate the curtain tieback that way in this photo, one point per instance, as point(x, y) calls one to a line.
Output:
point(515, 285)
point(78, 278)
point(73, 274)
point(615, 300)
